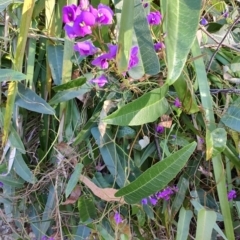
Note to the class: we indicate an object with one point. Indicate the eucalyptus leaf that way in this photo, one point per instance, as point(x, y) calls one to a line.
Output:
point(28, 99)
point(145, 109)
point(157, 177)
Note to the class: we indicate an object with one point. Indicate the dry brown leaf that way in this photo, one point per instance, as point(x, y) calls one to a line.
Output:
point(106, 194)
point(74, 196)
point(166, 121)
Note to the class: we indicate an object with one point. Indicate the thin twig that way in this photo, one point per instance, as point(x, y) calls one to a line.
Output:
point(156, 139)
point(221, 43)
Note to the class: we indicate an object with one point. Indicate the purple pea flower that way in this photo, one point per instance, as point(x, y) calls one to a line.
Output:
point(112, 51)
point(84, 5)
point(104, 15)
point(69, 13)
point(1, 185)
point(83, 23)
point(225, 13)
point(144, 201)
point(101, 61)
point(177, 103)
point(153, 200)
point(133, 61)
point(100, 81)
point(154, 18)
point(144, 4)
point(231, 195)
point(44, 238)
point(117, 217)
point(69, 30)
point(203, 21)
point(158, 46)
point(85, 48)
point(160, 129)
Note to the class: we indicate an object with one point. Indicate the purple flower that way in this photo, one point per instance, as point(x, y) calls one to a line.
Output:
point(144, 201)
point(231, 195)
point(112, 51)
point(100, 81)
point(85, 48)
point(154, 18)
point(101, 61)
point(145, 4)
point(69, 13)
point(1, 184)
point(203, 21)
point(153, 200)
point(177, 103)
point(69, 30)
point(44, 238)
point(160, 129)
point(166, 193)
point(158, 46)
point(84, 4)
point(225, 13)
point(133, 61)
point(117, 217)
point(83, 23)
point(104, 15)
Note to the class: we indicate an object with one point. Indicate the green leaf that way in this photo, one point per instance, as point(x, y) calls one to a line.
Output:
point(232, 117)
point(145, 109)
point(21, 168)
point(28, 99)
point(110, 156)
point(8, 180)
point(149, 57)
point(125, 36)
point(205, 223)
point(186, 95)
point(55, 60)
point(181, 24)
point(86, 208)
point(70, 94)
point(157, 177)
point(11, 75)
point(216, 142)
point(73, 179)
point(69, 85)
point(184, 220)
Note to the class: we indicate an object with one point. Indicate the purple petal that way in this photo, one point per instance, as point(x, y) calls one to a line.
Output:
point(144, 201)
point(1, 184)
point(105, 15)
point(69, 13)
point(177, 103)
point(117, 217)
point(231, 195)
point(85, 48)
point(70, 31)
point(154, 18)
point(84, 4)
point(112, 51)
point(158, 46)
point(203, 21)
point(100, 81)
point(160, 129)
point(134, 60)
point(101, 61)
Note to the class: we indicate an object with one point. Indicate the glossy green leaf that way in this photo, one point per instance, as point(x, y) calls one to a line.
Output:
point(205, 223)
point(231, 118)
point(21, 168)
point(70, 85)
point(149, 57)
point(28, 99)
point(145, 109)
point(110, 156)
point(184, 220)
point(73, 179)
point(216, 142)
point(55, 60)
point(11, 75)
point(70, 94)
point(125, 36)
point(157, 177)
point(86, 208)
point(181, 24)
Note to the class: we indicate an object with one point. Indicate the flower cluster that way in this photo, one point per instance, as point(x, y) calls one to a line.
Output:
point(79, 20)
point(164, 194)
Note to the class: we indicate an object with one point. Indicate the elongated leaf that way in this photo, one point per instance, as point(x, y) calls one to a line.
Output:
point(70, 94)
point(156, 177)
point(109, 154)
point(86, 208)
point(28, 99)
point(69, 85)
point(8, 180)
point(232, 117)
point(149, 57)
point(125, 36)
point(11, 75)
point(143, 110)
point(21, 168)
point(73, 179)
point(184, 224)
point(55, 60)
point(82, 232)
point(216, 142)
point(182, 19)
point(205, 224)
